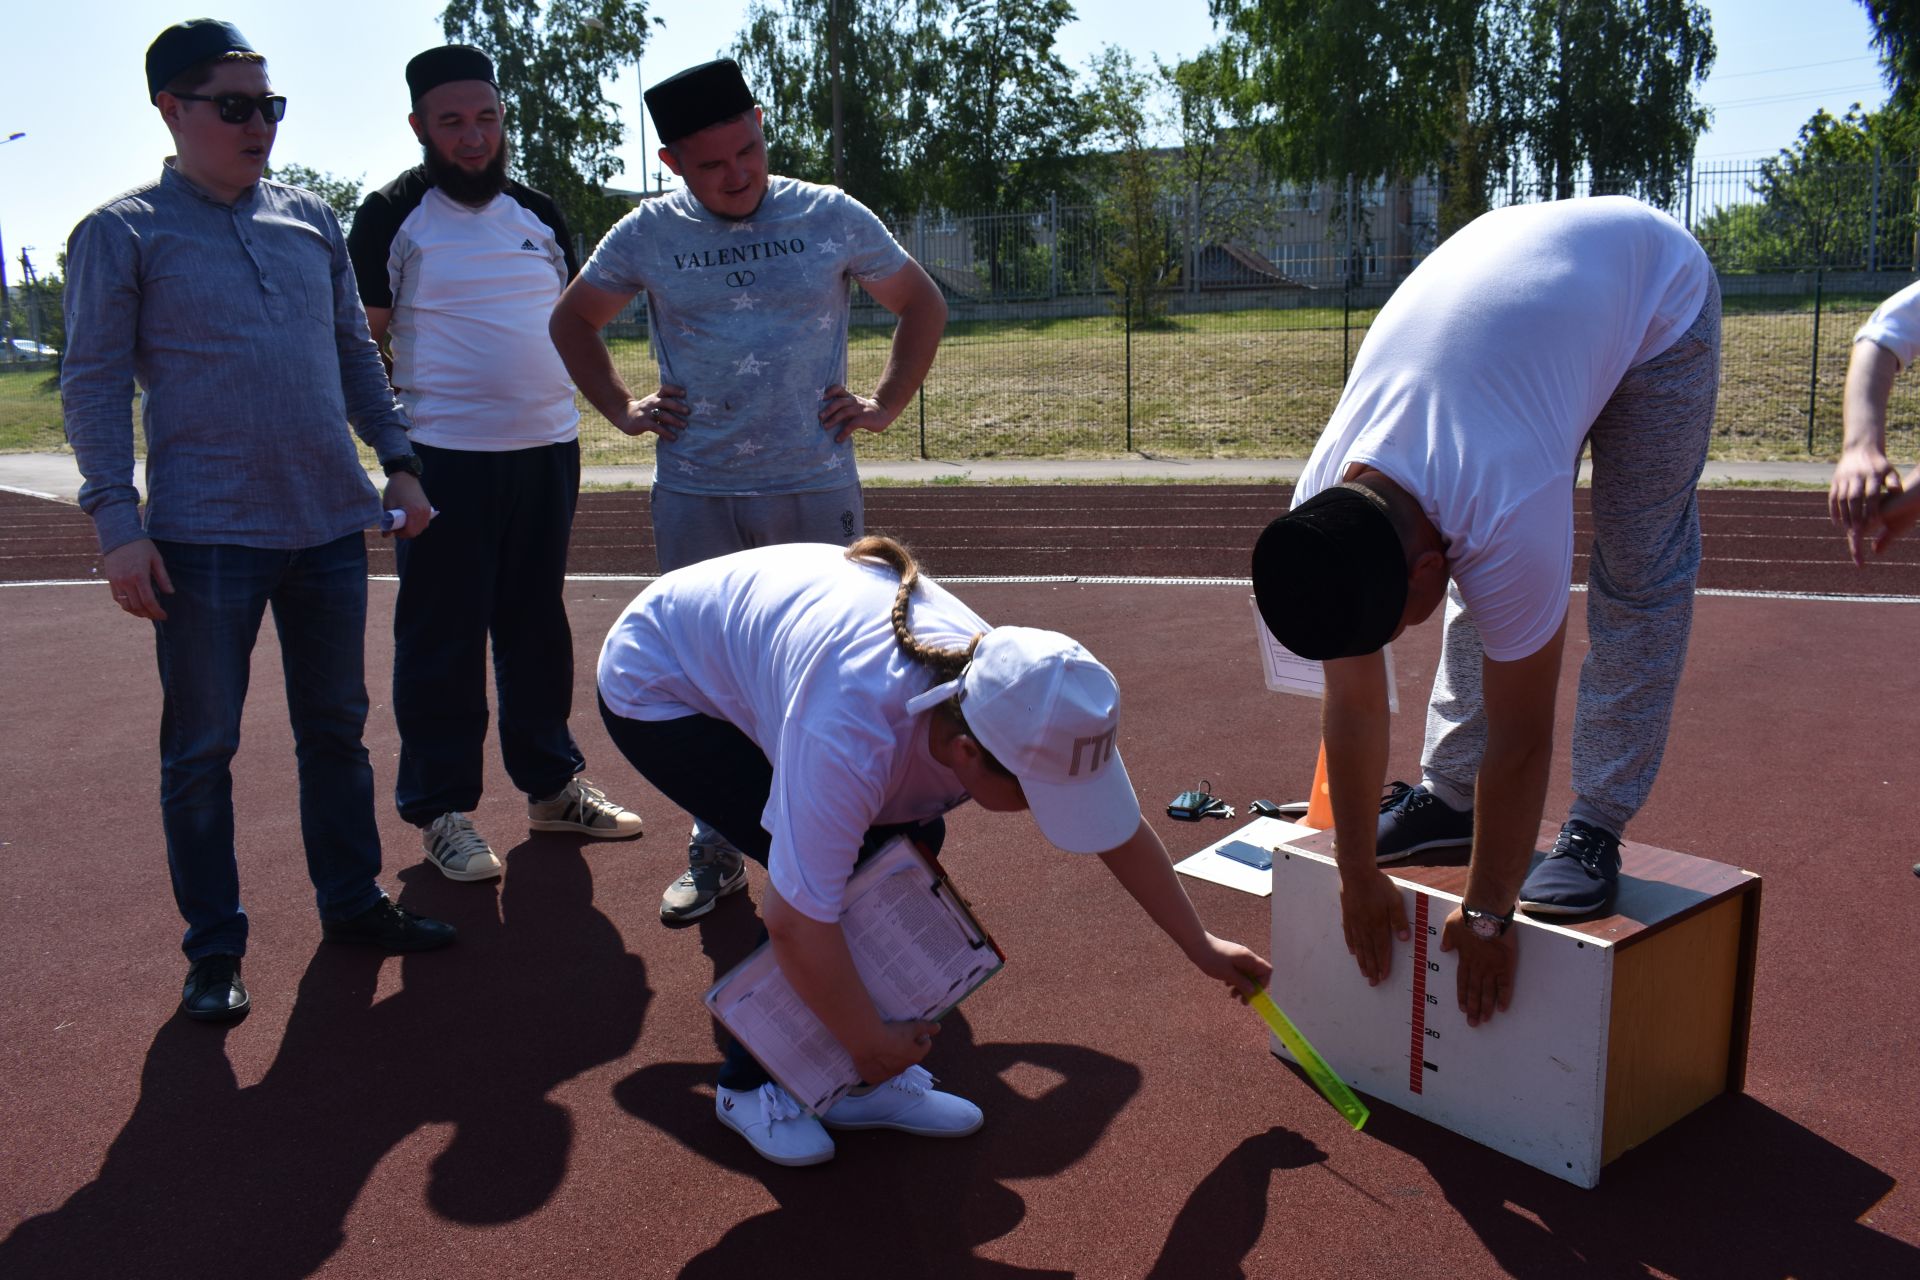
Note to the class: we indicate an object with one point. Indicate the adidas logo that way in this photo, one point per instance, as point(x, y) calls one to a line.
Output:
point(528, 244)
point(726, 1102)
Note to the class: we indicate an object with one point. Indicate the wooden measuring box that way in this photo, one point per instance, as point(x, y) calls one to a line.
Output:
point(1620, 1024)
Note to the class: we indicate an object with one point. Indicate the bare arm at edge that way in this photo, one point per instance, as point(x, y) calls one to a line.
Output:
point(1144, 870)
point(1354, 725)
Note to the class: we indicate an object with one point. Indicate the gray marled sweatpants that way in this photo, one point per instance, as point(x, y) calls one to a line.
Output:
point(1648, 446)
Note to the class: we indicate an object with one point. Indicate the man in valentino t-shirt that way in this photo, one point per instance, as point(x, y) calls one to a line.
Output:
point(1447, 472)
point(746, 282)
point(458, 268)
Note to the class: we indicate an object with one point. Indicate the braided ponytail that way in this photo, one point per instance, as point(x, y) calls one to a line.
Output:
point(944, 663)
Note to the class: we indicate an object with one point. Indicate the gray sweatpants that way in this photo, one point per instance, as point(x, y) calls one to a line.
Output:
point(689, 528)
point(1648, 445)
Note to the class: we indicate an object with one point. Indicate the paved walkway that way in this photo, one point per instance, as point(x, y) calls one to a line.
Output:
point(54, 474)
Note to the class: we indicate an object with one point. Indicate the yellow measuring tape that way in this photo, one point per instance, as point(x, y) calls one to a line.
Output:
point(1331, 1086)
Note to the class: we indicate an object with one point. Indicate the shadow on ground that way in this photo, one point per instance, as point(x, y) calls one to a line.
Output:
point(210, 1180)
point(930, 1225)
point(1736, 1189)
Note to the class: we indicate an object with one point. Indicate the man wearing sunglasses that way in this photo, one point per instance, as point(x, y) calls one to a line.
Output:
point(459, 266)
point(229, 302)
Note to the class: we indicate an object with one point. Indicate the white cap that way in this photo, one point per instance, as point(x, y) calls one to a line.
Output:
point(1050, 712)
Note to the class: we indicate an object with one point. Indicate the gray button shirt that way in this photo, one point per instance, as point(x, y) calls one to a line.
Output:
point(244, 331)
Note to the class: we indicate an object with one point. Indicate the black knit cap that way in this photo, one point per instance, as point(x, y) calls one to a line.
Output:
point(1330, 576)
point(188, 44)
point(700, 96)
point(450, 62)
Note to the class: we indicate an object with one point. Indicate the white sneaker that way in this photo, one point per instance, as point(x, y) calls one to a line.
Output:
point(457, 849)
point(582, 808)
point(909, 1103)
point(774, 1124)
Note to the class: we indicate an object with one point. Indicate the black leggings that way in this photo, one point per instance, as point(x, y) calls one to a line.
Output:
point(717, 774)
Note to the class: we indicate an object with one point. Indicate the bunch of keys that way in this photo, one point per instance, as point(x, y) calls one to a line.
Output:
point(1191, 806)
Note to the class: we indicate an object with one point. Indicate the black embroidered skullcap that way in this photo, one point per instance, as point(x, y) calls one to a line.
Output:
point(697, 97)
point(1330, 576)
point(450, 62)
point(188, 44)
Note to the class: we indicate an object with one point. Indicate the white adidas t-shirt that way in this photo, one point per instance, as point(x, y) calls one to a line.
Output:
point(1479, 380)
point(793, 645)
point(471, 292)
point(1895, 325)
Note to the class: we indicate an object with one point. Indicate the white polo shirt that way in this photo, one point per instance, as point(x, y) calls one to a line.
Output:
point(1478, 382)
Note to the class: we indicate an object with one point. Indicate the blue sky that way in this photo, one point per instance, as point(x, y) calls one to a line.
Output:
point(73, 83)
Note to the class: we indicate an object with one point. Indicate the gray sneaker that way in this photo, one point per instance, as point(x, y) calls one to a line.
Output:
point(458, 850)
point(713, 872)
point(582, 808)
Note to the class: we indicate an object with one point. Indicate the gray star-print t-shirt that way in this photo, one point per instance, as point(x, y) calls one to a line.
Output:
point(751, 318)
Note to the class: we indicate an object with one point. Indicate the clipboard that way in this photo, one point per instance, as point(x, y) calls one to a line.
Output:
point(917, 945)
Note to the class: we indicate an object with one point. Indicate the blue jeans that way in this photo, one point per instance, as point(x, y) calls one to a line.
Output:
point(204, 648)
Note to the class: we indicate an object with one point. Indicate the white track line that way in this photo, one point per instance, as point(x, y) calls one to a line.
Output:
point(1813, 597)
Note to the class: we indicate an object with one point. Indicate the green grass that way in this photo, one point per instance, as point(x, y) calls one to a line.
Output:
point(1245, 384)
point(29, 412)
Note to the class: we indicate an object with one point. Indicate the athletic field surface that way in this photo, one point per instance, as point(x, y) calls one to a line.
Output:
point(537, 1100)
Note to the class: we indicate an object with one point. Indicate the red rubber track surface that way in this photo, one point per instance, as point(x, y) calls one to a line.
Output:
point(536, 1101)
point(1751, 539)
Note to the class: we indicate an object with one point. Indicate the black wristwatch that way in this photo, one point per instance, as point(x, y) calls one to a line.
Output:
point(1484, 924)
point(407, 462)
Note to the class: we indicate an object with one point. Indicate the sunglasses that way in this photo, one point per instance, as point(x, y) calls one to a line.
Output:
point(238, 108)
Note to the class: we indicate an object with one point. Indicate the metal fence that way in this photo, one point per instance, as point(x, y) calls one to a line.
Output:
point(1267, 295)
point(1264, 294)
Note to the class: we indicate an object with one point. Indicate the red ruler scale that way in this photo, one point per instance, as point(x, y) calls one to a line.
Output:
point(1416, 1055)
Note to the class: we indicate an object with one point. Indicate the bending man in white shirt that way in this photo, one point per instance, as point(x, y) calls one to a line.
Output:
point(1447, 473)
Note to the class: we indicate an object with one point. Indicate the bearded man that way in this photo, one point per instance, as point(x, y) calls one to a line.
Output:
point(459, 267)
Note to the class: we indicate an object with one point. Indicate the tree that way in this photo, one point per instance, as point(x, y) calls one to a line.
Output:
point(551, 61)
point(1816, 200)
point(1139, 263)
point(888, 63)
point(1334, 88)
point(1006, 129)
point(1009, 121)
point(39, 311)
point(1481, 90)
point(1896, 34)
point(1605, 88)
point(1216, 164)
point(341, 194)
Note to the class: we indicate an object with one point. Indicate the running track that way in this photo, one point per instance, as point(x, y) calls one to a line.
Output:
point(1752, 539)
point(535, 1101)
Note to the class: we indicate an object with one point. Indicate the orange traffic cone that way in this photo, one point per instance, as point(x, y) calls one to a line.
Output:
point(1320, 801)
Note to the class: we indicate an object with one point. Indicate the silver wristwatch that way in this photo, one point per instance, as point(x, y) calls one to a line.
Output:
point(1485, 924)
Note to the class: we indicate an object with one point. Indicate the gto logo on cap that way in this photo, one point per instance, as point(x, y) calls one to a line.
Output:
point(1099, 749)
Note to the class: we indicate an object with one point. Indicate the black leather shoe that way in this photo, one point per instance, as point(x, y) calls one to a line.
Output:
point(213, 991)
point(389, 925)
